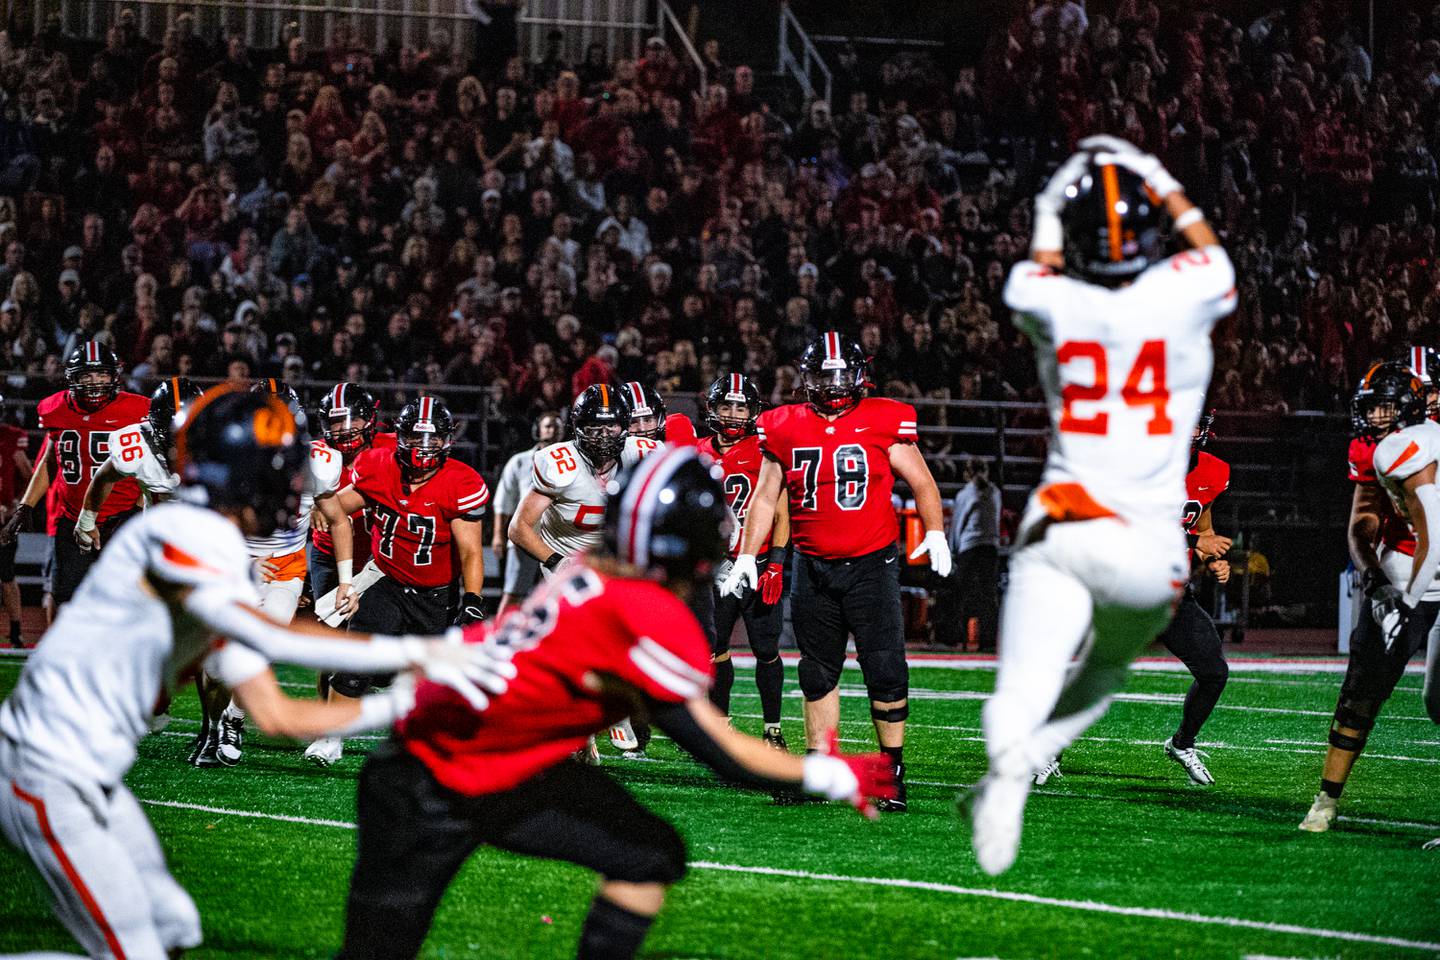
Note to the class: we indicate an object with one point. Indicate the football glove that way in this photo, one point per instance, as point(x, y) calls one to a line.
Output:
point(743, 573)
point(1390, 610)
point(473, 670)
point(19, 520)
point(472, 610)
point(1145, 166)
point(1047, 232)
point(935, 546)
point(860, 779)
point(772, 580)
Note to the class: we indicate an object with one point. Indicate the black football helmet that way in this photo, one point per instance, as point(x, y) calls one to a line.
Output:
point(165, 404)
point(92, 375)
point(667, 515)
point(644, 403)
point(422, 436)
point(348, 416)
point(732, 388)
point(278, 388)
point(1388, 398)
point(238, 448)
point(833, 374)
point(1111, 224)
point(1204, 431)
point(598, 420)
point(1425, 364)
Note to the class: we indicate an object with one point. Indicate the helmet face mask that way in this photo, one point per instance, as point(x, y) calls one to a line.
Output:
point(833, 375)
point(348, 419)
point(165, 405)
point(598, 422)
point(600, 443)
point(1389, 398)
point(92, 376)
point(646, 410)
point(347, 433)
point(422, 437)
point(732, 405)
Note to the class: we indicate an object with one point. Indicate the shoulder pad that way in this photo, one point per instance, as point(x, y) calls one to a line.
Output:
point(326, 466)
point(558, 465)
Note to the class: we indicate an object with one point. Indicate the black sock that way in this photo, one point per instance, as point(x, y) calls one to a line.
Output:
point(770, 681)
point(611, 932)
point(15, 632)
point(720, 689)
point(1331, 788)
point(896, 754)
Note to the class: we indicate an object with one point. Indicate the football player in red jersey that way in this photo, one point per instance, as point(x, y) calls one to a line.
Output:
point(837, 456)
point(424, 513)
point(610, 633)
point(648, 418)
point(15, 469)
point(78, 422)
point(732, 405)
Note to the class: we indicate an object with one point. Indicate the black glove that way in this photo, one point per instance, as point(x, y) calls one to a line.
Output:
point(19, 520)
point(552, 561)
point(472, 610)
point(1372, 580)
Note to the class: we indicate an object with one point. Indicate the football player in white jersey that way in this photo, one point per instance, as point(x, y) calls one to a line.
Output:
point(142, 451)
point(1122, 339)
point(280, 557)
point(171, 582)
point(561, 515)
point(521, 569)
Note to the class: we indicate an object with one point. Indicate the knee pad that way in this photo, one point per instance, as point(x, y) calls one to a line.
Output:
point(1357, 715)
point(887, 677)
point(890, 714)
point(353, 685)
point(816, 679)
point(661, 860)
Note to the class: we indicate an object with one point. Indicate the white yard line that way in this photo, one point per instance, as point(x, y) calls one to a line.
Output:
point(1305, 665)
point(1088, 906)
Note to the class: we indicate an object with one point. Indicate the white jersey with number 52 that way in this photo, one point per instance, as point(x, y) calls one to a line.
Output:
point(572, 521)
point(1125, 370)
point(321, 476)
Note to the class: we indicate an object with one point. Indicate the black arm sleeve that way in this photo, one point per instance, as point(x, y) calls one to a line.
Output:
point(680, 726)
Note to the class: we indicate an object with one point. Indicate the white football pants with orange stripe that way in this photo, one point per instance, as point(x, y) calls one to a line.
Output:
point(99, 859)
point(1108, 579)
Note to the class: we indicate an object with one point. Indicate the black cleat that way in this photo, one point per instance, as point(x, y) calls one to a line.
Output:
point(207, 743)
point(776, 739)
point(898, 804)
point(232, 739)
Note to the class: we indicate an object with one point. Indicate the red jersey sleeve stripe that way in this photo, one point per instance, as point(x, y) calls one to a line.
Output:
point(673, 661)
point(655, 671)
point(1409, 452)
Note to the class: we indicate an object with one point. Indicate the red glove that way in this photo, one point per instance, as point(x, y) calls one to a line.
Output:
point(860, 779)
point(772, 583)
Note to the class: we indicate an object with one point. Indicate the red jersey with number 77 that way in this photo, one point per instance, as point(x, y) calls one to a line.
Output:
point(1125, 368)
point(837, 473)
point(80, 442)
point(578, 627)
point(410, 526)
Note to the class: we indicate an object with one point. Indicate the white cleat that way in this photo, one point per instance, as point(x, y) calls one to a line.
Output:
point(1190, 760)
point(622, 737)
point(232, 738)
point(1432, 845)
point(997, 818)
point(1322, 813)
point(325, 751)
point(159, 722)
point(589, 754)
point(1050, 771)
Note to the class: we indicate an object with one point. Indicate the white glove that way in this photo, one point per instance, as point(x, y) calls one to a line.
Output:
point(939, 551)
point(1147, 167)
point(1046, 231)
point(829, 777)
point(472, 670)
point(1390, 610)
point(743, 573)
point(1104, 143)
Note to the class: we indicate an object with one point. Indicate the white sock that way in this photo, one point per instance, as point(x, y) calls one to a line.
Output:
point(235, 710)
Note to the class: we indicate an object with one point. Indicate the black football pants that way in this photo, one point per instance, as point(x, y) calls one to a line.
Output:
point(1193, 639)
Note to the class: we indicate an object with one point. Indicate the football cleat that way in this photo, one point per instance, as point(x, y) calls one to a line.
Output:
point(1432, 845)
point(589, 754)
point(622, 737)
point(232, 738)
point(897, 803)
point(325, 751)
point(1050, 771)
point(996, 809)
point(1190, 760)
point(776, 739)
point(159, 722)
point(1322, 813)
point(202, 754)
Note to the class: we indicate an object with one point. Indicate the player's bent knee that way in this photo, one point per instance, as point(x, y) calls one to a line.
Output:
point(890, 714)
point(660, 859)
point(352, 685)
point(816, 679)
point(1354, 719)
point(887, 676)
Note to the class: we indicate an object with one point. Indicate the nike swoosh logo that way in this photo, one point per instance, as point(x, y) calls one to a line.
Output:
point(1202, 488)
point(891, 560)
point(861, 429)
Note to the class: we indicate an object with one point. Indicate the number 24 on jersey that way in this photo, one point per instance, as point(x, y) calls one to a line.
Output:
point(1149, 365)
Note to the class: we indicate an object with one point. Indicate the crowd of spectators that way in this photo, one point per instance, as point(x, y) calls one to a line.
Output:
point(525, 229)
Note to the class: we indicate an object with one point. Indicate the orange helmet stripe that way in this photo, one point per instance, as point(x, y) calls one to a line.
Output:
point(1111, 182)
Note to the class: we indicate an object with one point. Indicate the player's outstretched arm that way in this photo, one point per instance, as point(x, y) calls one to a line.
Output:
point(87, 534)
point(278, 715)
point(342, 536)
point(909, 464)
point(522, 527)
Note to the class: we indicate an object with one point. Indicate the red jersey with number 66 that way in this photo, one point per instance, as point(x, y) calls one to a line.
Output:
point(81, 444)
point(579, 627)
point(1125, 369)
point(410, 527)
point(837, 473)
point(741, 463)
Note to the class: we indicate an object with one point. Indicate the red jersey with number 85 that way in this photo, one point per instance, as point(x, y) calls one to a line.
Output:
point(1125, 369)
point(410, 527)
point(837, 473)
point(577, 627)
point(80, 442)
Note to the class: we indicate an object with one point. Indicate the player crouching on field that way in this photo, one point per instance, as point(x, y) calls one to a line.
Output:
point(608, 635)
point(169, 583)
point(1389, 408)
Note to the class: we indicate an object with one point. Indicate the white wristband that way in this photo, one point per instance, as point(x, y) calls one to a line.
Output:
point(1048, 234)
point(380, 710)
point(344, 569)
point(1189, 218)
point(86, 521)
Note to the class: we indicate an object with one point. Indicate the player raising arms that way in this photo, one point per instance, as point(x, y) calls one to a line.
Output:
point(1122, 340)
point(732, 405)
point(78, 422)
point(837, 456)
point(1395, 506)
point(608, 634)
point(167, 585)
point(521, 569)
point(425, 510)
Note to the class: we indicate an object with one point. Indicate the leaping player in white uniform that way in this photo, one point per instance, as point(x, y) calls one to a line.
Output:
point(1122, 339)
point(168, 584)
point(561, 515)
point(280, 558)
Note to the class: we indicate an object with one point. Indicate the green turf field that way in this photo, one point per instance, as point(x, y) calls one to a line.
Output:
point(1121, 857)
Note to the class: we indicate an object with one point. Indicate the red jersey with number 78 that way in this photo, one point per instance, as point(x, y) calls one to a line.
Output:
point(837, 473)
point(579, 626)
point(410, 527)
point(1125, 368)
point(80, 442)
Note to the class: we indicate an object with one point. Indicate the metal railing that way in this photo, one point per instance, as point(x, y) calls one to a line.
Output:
point(670, 25)
point(800, 67)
